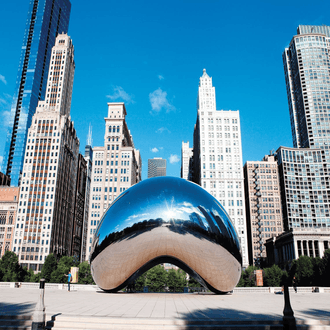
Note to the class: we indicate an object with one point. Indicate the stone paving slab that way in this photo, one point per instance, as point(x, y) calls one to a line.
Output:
point(248, 306)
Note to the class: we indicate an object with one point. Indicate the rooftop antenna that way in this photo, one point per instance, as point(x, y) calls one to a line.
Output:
point(89, 140)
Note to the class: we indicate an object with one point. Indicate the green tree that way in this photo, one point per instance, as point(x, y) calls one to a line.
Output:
point(192, 283)
point(174, 281)
point(85, 275)
point(10, 269)
point(156, 279)
point(48, 267)
point(241, 282)
point(140, 282)
point(325, 278)
point(29, 277)
point(248, 277)
point(181, 280)
point(317, 271)
point(273, 276)
point(63, 268)
point(304, 270)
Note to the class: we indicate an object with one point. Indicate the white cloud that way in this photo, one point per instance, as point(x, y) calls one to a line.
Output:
point(174, 159)
point(160, 77)
point(5, 116)
point(163, 129)
point(154, 149)
point(3, 79)
point(119, 93)
point(158, 101)
point(5, 100)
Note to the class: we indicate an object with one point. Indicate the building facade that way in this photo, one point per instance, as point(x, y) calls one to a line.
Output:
point(305, 188)
point(217, 157)
point(9, 199)
point(307, 76)
point(156, 167)
point(186, 161)
point(304, 170)
point(4, 179)
point(48, 185)
point(79, 208)
point(116, 166)
point(263, 206)
point(290, 245)
point(46, 18)
point(89, 168)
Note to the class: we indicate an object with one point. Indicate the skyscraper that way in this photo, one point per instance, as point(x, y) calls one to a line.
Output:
point(217, 157)
point(116, 166)
point(305, 184)
point(307, 75)
point(186, 159)
point(263, 205)
point(46, 18)
point(304, 170)
point(49, 178)
point(156, 167)
point(89, 164)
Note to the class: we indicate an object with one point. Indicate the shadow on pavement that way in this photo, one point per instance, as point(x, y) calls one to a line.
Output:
point(319, 313)
point(225, 315)
point(16, 309)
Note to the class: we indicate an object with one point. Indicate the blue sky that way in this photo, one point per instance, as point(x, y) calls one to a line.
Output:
point(150, 54)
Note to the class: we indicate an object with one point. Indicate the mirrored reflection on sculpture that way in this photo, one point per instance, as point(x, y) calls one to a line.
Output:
point(166, 219)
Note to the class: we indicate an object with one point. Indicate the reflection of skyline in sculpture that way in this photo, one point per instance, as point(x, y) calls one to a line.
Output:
point(166, 220)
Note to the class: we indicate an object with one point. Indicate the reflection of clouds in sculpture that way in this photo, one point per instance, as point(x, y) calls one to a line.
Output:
point(166, 219)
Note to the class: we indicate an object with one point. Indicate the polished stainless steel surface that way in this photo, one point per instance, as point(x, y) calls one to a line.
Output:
point(166, 219)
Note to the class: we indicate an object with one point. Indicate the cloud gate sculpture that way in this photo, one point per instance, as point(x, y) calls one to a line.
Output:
point(166, 219)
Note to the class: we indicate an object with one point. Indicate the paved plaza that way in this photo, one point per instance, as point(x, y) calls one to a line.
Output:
point(238, 306)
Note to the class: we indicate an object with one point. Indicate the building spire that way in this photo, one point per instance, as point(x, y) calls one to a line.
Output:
point(89, 140)
point(204, 73)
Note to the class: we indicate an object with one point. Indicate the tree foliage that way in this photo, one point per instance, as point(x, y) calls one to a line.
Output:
point(48, 267)
point(303, 270)
point(192, 283)
point(140, 282)
point(176, 280)
point(308, 271)
point(10, 270)
point(85, 275)
point(156, 279)
point(62, 269)
point(52, 271)
point(247, 277)
point(273, 276)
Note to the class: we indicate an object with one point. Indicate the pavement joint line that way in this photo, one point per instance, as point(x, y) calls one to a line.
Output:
point(306, 306)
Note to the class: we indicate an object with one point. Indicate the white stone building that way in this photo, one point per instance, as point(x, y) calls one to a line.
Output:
point(116, 167)
point(217, 157)
point(186, 158)
point(48, 186)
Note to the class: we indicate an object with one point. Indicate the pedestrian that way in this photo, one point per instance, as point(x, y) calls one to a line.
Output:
point(294, 284)
point(69, 276)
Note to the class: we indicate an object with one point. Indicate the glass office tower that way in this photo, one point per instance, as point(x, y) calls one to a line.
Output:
point(156, 167)
point(307, 74)
point(46, 18)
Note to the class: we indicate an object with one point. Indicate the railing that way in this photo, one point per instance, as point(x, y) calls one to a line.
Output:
point(90, 287)
point(50, 286)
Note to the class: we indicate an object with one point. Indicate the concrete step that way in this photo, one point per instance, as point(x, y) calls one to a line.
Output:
point(15, 322)
point(94, 323)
